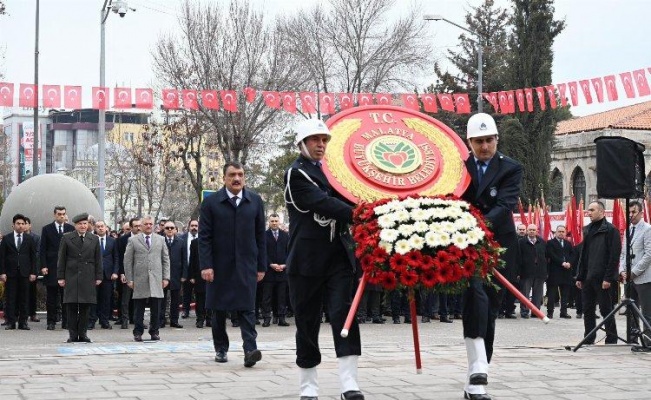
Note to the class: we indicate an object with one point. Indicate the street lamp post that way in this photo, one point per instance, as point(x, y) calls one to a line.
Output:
point(480, 55)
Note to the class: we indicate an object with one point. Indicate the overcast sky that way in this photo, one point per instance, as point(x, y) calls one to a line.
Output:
point(602, 37)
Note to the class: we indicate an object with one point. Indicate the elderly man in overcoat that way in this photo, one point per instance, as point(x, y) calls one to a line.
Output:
point(79, 272)
point(233, 258)
point(147, 270)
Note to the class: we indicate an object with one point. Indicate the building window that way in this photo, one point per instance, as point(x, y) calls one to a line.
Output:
point(578, 185)
point(128, 137)
point(556, 191)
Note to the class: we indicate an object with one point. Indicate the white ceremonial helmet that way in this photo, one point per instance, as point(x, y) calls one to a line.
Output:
point(481, 124)
point(309, 127)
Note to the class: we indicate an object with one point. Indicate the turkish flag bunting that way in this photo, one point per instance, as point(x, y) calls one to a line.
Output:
point(145, 98)
point(289, 102)
point(308, 102)
point(492, 99)
point(611, 87)
point(189, 99)
point(598, 85)
point(6, 94)
point(627, 82)
point(462, 103)
point(574, 93)
point(364, 99)
point(209, 99)
point(429, 102)
point(51, 96)
point(122, 97)
point(642, 84)
point(229, 100)
point(27, 97)
point(271, 99)
point(503, 99)
point(101, 98)
point(410, 101)
point(510, 96)
point(540, 93)
point(170, 99)
point(249, 94)
point(327, 103)
point(346, 100)
point(519, 97)
point(445, 100)
point(385, 99)
point(585, 87)
point(528, 96)
point(551, 93)
point(72, 97)
point(562, 92)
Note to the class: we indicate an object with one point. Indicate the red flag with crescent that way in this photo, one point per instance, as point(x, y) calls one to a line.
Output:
point(289, 102)
point(210, 99)
point(611, 87)
point(27, 96)
point(462, 103)
point(229, 100)
point(364, 99)
point(410, 101)
point(528, 96)
point(492, 99)
point(574, 93)
point(562, 93)
point(100, 98)
point(627, 82)
point(308, 102)
point(170, 99)
point(429, 102)
point(551, 93)
point(72, 97)
point(585, 87)
point(503, 100)
point(346, 100)
point(122, 97)
point(51, 96)
point(519, 97)
point(271, 99)
point(6, 94)
point(641, 82)
point(598, 85)
point(189, 99)
point(445, 99)
point(510, 95)
point(327, 103)
point(145, 98)
point(540, 93)
point(249, 94)
point(384, 99)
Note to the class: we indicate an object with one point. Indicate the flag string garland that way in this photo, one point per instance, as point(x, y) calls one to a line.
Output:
point(600, 89)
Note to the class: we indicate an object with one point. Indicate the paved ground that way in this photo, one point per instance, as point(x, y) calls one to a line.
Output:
point(531, 362)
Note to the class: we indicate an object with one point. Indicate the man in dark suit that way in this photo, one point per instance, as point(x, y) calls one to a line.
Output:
point(494, 190)
point(102, 310)
point(320, 262)
point(49, 253)
point(18, 267)
point(178, 273)
point(559, 256)
point(80, 272)
point(188, 286)
point(194, 275)
point(233, 259)
point(275, 280)
point(532, 261)
point(126, 311)
point(32, 285)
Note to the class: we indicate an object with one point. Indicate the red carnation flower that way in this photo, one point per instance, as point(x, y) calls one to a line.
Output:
point(398, 262)
point(409, 278)
point(427, 263)
point(429, 278)
point(414, 259)
point(367, 263)
point(469, 268)
point(389, 281)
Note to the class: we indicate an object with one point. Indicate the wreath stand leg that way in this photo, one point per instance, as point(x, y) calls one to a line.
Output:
point(414, 329)
point(354, 306)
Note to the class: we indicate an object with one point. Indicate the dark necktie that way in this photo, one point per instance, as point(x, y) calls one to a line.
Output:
point(276, 235)
point(632, 232)
point(60, 229)
point(562, 243)
point(147, 242)
point(480, 170)
point(82, 238)
point(234, 200)
point(101, 242)
point(19, 241)
point(169, 242)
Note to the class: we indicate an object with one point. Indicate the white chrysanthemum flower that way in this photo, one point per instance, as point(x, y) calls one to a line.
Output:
point(472, 222)
point(462, 225)
point(426, 201)
point(401, 215)
point(454, 212)
point(473, 236)
point(438, 213)
point(386, 221)
point(460, 240)
point(421, 226)
point(418, 214)
point(388, 247)
point(447, 226)
point(406, 230)
point(381, 210)
point(443, 239)
point(416, 242)
point(395, 205)
point(411, 203)
point(402, 247)
point(389, 235)
point(431, 239)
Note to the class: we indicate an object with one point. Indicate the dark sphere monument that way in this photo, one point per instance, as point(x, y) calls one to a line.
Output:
point(36, 197)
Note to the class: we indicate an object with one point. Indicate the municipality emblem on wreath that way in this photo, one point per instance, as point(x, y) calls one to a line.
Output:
point(394, 154)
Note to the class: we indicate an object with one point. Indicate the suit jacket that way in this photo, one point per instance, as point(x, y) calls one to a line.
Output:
point(49, 251)
point(310, 246)
point(147, 267)
point(121, 248)
point(533, 258)
point(80, 264)
point(21, 261)
point(556, 256)
point(641, 250)
point(186, 252)
point(276, 254)
point(110, 257)
point(232, 243)
point(177, 266)
point(194, 271)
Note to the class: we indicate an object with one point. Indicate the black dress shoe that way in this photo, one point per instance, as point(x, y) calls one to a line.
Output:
point(85, 339)
point(199, 324)
point(155, 337)
point(566, 316)
point(378, 321)
point(266, 323)
point(221, 357)
point(125, 324)
point(208, 323)
point(309, 398)
point(640, 349)
point(72, 340)
point(510, 316)
point(252, 357)
point(23, 327)
point(64, 325)
point(478, 379)
point(176, 325)
point(352, 395)
point(282, 322)
point(458, 316)
point(274, 321)
point(550, 316)
point(407, 321)
point(445, 319)
point(396, 320)
point(579, 315)
point(34, 318)
point(91, 326)
point(107, 326)
point(137, 338)
point(10, 327)
point(470, 396)
point(50, 327)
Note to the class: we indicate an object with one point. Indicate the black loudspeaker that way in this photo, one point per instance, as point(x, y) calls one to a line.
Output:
point(620, 168)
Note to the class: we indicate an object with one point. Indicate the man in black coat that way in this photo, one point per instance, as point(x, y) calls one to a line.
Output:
point(199, 285)
point(559, 263)
point(178, 273)
point(533, 268)
point(126, 311)
point(233, 259)
point(49, 253)
point(494, 190)
point(18, 267)
point(320, 263)
point(275, 280)
point(31, 306)
point(598, 270)
point(188, 286)
point(102, 310)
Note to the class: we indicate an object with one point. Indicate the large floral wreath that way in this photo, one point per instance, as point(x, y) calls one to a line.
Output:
point(425, 242)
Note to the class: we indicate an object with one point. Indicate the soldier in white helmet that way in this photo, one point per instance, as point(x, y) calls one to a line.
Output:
point(494, 190)
point(320, 262)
